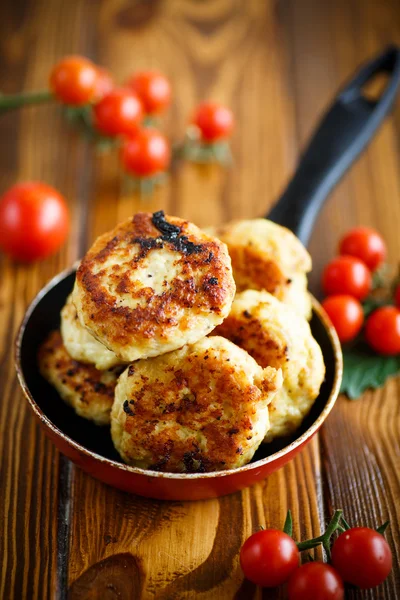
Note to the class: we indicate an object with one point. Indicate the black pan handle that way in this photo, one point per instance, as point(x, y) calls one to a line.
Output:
point(343, 133)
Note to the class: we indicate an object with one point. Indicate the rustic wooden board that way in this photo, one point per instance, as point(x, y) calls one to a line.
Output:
point(34, 144)
point(278, 64)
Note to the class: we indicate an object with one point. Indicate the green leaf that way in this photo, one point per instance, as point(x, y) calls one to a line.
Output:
point(200, 152)
point(72, 113)
point(382, 276)
point(288, 526)
point(81, 117)
point(151, 121)
point(371, 304)
point(145, 186)
point(363, 369)
point(104, 144)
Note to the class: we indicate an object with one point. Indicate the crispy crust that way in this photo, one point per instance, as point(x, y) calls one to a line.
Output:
point(89, 391)
point(117, 298)
point(274, 334)
point(253, 270)
point(201, 408)
point(267, 256)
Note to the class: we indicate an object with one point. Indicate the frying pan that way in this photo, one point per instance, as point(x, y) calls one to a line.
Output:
point(344, 131)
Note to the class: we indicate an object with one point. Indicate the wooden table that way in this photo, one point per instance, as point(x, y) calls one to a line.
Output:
point(277, 64)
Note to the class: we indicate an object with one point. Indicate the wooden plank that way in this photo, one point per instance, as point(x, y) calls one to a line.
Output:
point(232, 53)
point(184, 549)
point(278, 65)
point(34, 144)
point(360, 442)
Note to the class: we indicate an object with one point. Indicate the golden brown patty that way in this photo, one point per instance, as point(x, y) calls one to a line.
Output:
point(201, 408)
point(274, 334)
point(153, 284)
point(80, 344)
point(267, 256)
point(90, 392)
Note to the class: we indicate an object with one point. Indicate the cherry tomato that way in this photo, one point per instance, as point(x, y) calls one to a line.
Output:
point(397, 296)
point(104, 84)
point(146, 153)
point(34, 221)
point(269, 557)
point(315, 581)
point(214, 121)
point(382, 330)
point(347, 275)
point(153, 89)
point(346, 314)
point(119, 112)
point(362, 556)
point(73, 80)
point(366, 244)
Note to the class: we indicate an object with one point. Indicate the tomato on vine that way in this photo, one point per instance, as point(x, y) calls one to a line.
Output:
point(34, 221)
point(382, 330)
point(347, 275)
point(73, 80)
point(397, 296)
point(362, 556)
point(346, 314)
point(214, 121)
point(153, 89)
point(365, 244)
point(118, 113)
point(146, 153)
point(268, 557)
point(315, 581)
point(104, 84)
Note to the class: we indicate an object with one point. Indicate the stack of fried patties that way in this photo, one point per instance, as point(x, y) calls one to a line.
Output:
point(154, 341)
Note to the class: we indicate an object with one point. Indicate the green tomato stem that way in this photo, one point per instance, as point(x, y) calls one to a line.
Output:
point(344, 523)
point(310, 544)
point(337, 524)
point(332, 527)
point(325, 538)
point(12, 101)
point(383, 528)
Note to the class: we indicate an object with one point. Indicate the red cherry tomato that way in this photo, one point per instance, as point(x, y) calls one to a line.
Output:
point(73, 80)
point(315, 581)
point(362, 556)
point(146, 153)
point(153, 89)
point(118, 113)
point(397, 296)
point(269, 557)
point(346, 314)
point(366, 244)
point(382, 330)
point(104, 84)
point(34, 221)
point(347, 275)
point(214, 121)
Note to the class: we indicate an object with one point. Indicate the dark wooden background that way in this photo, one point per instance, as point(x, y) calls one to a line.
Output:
point(277, 63)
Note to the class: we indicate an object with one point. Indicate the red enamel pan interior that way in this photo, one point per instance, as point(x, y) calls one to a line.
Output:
point(90, 446)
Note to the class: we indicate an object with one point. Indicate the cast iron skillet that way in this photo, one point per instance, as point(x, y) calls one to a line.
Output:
point(343, 133)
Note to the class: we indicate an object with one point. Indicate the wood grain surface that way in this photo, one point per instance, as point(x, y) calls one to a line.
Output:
point(278, 64)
